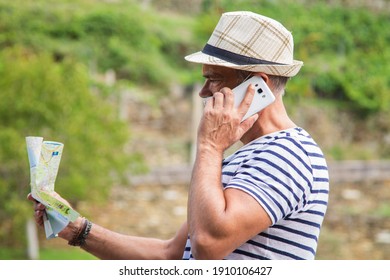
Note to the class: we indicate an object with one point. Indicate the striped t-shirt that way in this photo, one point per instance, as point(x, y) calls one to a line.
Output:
point(287, 174)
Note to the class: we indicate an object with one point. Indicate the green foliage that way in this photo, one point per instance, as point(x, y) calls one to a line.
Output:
point(118, 36)
point(345, 50)
point(41, 97)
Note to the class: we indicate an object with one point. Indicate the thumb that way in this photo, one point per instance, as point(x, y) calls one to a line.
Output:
point(248, 123)
point(59, 198)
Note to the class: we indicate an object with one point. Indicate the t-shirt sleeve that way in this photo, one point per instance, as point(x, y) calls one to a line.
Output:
point(278, 177)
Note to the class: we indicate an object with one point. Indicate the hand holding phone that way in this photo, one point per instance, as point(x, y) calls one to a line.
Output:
point(262, 98)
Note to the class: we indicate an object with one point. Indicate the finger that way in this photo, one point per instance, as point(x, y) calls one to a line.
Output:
point(39, 207)
point(246, 102)
point(218, 100)
point(248, 123)
point(38, 216)
point(206, 100)
point(208, 103)
point(229, 97)
point(58, 197)
point(37, 204)
point(30, 197)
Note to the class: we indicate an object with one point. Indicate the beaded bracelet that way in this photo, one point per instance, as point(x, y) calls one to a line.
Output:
point(81, 235)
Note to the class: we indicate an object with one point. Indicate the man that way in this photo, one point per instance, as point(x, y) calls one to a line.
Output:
point(267, 200)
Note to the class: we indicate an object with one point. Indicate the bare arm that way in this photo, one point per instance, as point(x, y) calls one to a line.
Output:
point(107, 244)
point(220, 221)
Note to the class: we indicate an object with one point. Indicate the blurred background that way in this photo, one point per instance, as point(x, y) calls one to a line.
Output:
point(107, 78)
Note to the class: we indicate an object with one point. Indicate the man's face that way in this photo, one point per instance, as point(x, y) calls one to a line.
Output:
point(218, 77)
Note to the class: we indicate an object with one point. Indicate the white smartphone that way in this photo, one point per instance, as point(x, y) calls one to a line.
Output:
point(262, 98)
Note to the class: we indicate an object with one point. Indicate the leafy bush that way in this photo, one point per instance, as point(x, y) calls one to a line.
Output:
point(345, 50)
point(41, 97)
point(118, 36)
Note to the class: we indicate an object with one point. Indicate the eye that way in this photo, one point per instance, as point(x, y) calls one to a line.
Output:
point(212, 80)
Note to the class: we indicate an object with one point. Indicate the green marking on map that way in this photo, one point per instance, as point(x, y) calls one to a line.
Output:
point(58, 206)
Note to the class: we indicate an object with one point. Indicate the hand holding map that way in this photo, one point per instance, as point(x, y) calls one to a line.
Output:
point(44, 158)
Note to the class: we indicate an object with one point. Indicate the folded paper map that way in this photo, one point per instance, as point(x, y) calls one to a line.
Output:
point(44, 158)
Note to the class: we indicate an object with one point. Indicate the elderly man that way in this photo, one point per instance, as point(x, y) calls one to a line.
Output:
point(265, 201)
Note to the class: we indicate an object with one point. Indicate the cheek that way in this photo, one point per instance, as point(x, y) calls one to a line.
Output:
point(232, 83)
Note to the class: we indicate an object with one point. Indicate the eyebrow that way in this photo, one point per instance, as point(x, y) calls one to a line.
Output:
point(212, 74)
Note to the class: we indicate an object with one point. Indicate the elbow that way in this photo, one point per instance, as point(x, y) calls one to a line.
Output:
point(204, 247)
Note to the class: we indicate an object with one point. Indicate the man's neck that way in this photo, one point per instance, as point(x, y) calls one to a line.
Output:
point(272, 119)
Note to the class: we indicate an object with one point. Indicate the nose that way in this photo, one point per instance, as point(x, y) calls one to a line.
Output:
point(205, 91)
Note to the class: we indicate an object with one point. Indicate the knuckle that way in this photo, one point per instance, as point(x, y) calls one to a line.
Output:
point(209, 113)
point(247, 102)
point(218, 94)
point(227, 91)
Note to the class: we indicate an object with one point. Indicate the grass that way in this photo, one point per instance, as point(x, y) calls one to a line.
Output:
point(65, 254)
point(383, 210)
point(47, 254)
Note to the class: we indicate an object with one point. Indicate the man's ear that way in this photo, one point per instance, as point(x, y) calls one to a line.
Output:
point(265, 77)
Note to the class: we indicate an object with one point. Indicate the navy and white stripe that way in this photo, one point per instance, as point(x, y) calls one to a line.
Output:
point(287, 174)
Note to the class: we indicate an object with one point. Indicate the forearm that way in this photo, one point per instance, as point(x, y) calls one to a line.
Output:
point(107, 244)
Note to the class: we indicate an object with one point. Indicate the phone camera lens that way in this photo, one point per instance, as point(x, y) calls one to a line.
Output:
point(259, 90)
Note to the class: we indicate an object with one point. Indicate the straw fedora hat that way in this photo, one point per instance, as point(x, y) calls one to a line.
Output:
point(251, 42)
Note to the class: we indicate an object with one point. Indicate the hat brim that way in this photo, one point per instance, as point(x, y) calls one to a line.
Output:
point(285, 70)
